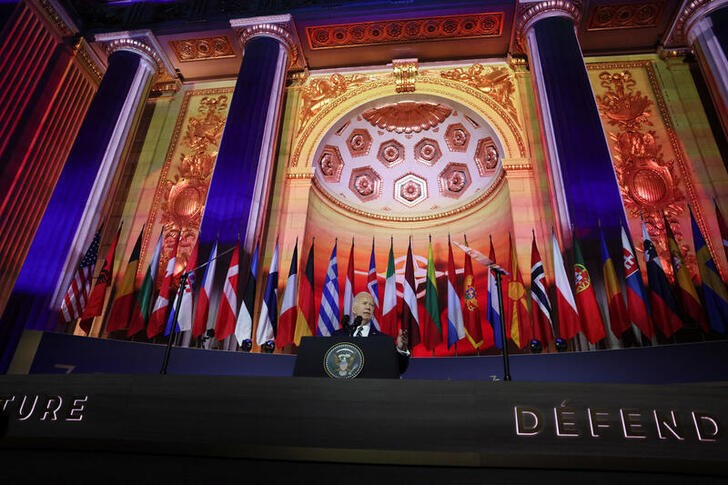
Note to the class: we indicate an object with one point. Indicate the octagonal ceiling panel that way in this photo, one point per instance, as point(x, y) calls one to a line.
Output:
point(374, 166)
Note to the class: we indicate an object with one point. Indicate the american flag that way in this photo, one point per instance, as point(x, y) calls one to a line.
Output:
point(77, 294)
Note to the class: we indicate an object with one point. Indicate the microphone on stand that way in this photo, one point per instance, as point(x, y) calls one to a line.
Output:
point(357, 322)
point(345, 322)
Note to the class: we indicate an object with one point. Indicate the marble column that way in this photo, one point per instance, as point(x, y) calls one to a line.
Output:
point(73, 211)
point(705, 26)
point(237, 200)
point(584, 188)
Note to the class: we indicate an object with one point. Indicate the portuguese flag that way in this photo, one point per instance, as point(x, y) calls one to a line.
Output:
point(586, 299)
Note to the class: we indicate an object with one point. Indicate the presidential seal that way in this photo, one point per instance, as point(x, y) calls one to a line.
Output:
point(343, 361)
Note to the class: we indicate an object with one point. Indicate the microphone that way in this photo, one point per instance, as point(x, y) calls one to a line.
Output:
point(357, 321)
point(345, 321)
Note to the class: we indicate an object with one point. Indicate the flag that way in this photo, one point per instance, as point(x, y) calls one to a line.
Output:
point(586, 299)
point(715, 294)
point(199, 326)
point(160, 310)
point(687, 296)
point(373, 287)
point(228, 308)
point(516, 308)
point(637, 303)
point(455, 322)
point(268, 319)
point(289, 310)
point(185, 311)
point(145, 296)
point(74, 302)
point(565, 304)
point(494, 314)
point(244, 325)
point(723, 229)
point(431, 324)
point(410, 313)
point(349, 283)
point(543, 327)
point(125, 308)
point(96, 299)
point(306, 305)
point(618, 317)
point(662, 302)
point(471, 315)
point(389, 304)
point(329, 311)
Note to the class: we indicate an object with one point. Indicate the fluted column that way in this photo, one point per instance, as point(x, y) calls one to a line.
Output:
point(72, 213)
point(705, 26)
point(584, 186)
point(239, 190)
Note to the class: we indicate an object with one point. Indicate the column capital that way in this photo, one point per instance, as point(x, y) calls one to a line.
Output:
point(683, 29)
point(531, 12)
point(141, 42)
point(279, 27)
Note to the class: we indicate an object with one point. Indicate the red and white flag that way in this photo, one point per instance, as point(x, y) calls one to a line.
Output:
point(158, 318)
point(410, 313)
point(184, 320)
point(228, 310)
point(203, 299)
point(565, 303)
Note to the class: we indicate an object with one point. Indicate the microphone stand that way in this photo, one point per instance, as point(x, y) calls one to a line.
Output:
point(499, 272)
point(173, 330)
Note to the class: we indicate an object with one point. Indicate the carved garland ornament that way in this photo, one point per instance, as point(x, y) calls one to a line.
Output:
point(496, 82)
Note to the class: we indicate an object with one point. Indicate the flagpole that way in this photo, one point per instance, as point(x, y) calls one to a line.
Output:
point(173, 329)
point(506, 367)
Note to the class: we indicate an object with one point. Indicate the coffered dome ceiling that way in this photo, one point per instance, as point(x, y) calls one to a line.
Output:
point(408, 157)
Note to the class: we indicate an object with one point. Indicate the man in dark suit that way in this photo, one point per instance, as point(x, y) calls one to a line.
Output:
point(363, 306)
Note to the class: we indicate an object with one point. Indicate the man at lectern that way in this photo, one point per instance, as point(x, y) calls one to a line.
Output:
point(362, 311)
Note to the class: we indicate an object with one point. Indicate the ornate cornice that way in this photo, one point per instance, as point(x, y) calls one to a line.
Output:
point(89, 60)
point(57, 17)
point(141, 42)
point(549, 8)
point(279, 27)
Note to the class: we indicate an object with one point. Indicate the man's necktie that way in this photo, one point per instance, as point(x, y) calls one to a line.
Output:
point(358, 331)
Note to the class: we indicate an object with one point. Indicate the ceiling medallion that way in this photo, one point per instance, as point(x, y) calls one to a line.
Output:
point(407, 116)
point(486, 156)
point(427, 151)
point(331, 164)
point(457, 138)
point(454, 180)
point(410, 190)
point(391, 153)
point(365, 183)
point(359, 142)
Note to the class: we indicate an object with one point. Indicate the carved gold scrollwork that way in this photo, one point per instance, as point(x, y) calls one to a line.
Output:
point(321, 91)
point(649, 183)
point(184, 195)
point(496, 82)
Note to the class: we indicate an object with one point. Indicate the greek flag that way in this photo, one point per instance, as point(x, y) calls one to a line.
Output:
point(328, 320)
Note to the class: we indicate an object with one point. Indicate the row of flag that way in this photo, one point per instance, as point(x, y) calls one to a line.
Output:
point(526, 315)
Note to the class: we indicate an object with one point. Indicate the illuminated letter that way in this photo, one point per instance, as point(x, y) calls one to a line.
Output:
point(6, 401)
point(49, 405)
point(672, 427)
point(22, 405)
point(565, 424)
point(78, 407)
point(704, 434)
point(630, 424)
point(528, 421)
point(595, 422)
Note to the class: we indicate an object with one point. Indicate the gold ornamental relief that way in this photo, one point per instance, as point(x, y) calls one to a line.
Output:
point(319, 92)
point(496, 82)
point(649, 180)
point(407, 116)
point(186, 174)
